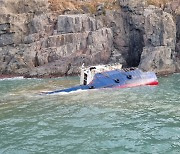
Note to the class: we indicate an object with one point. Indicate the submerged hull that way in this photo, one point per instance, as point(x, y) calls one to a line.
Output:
point(115, 79)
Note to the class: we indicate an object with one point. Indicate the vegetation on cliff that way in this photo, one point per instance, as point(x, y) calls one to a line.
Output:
point(79, 5)
point(163, 4)
point(91, 5)
point(159, 3)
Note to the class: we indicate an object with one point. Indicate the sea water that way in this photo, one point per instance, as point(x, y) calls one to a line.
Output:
point(120, 121)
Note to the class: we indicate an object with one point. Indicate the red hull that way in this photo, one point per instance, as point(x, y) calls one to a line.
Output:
point(153, 83)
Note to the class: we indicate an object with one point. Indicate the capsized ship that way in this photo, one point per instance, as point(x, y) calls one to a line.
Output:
point(110, 76)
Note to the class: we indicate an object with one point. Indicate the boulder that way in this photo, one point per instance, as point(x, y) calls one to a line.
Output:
point(4, 28)
point(6, 39)
point(157, 59)
point(31, 38)
point(11, 60)
point(39, 24)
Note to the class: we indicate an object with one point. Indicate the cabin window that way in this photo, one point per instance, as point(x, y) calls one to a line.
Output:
point(85, 79)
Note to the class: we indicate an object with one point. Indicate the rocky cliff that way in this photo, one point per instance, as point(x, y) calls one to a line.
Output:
point(36, 41)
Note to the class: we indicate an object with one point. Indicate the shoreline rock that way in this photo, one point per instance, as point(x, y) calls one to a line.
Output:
point(34, 41)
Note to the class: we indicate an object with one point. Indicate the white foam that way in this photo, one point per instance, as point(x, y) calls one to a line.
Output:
point(13, 78)
point(72, 92)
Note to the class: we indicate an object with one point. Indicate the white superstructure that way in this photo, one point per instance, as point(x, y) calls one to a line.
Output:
point(87, 73)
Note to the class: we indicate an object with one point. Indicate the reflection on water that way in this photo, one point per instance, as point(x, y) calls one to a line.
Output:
point(133, 120)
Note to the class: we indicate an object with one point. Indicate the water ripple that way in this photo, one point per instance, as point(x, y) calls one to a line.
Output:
point(137, 120)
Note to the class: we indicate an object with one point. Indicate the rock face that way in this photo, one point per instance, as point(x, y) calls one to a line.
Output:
point(77, 24)
point(16, 16)
point(15, 19)
point(178, 33)
point(128, 29)
point(157, 28)
point(133, 18)
point(78, 39)
point(36, 42)
point(160, 42)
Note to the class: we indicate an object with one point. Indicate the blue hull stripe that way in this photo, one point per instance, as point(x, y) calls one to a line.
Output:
point(110, 79)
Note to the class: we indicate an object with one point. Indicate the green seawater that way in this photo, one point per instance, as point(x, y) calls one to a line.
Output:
point(141, 120)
